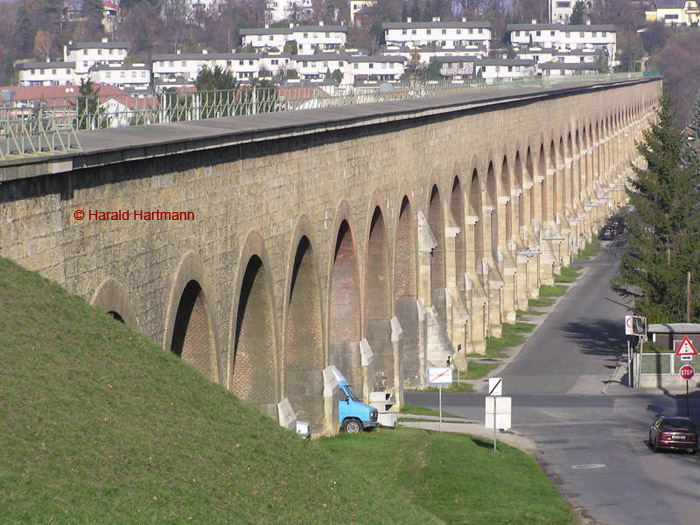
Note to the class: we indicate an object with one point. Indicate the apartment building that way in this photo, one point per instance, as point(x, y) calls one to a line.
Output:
point(675, 12)
point(415, 35)
point(46, 73)
point(129, 76)
point(87, 54)
point(307, 38)
point(425, 54)
point(601, 37)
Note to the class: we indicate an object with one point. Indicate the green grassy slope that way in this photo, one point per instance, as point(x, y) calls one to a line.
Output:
point(100, 425)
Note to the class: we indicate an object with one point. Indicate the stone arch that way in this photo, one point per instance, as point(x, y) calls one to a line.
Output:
point(111, 297)
point(492, 203)
point(190, 328)
point(303, 331)
point(475, 209)
point(562, 177)
point(406, 293)
point(344, 304)
point(253, 371)
point(573, 173)
point(377, 307)
point(544, 190)
point(530, 179)
point(506, 190)
point(518, 175)
point(458, 214)
point(438, 278)
point(555, 180)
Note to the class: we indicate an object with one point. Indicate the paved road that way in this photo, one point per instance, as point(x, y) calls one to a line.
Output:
point(591, 434)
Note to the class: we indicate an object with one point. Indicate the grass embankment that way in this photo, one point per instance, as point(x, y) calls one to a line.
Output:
point(458, 478)
point(100, 425)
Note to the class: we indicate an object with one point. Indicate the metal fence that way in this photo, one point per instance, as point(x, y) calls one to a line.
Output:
point(50, 126)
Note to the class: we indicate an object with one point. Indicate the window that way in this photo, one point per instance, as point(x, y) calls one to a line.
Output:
point(184, 63)
point(250, 62)
point(271, 38)
point(355, 66)
point(133, 74)
point(581, 34)
point(444, 31)
point(108, 74)
point(143, 74)
point(551, 33)
point(121, 74)
point(538, 33)
point(328, 35)
point(603, 34)
point(595, 34)
point(306, 35)
point(371, 65)
point(341, 64)
point(275, 62)
point(171, 63)
point(241, 62)
point(99, 52)
point(403, 32)
point(459, 31)
point(325, 63)
point(305, 63)
point(427, 31)
point(53, 71)
point(413, 31)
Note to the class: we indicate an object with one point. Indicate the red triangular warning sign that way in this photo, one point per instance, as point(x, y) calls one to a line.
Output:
point(686, 348)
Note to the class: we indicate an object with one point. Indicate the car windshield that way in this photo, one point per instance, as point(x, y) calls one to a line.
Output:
point(351, 394)
point(674, 422)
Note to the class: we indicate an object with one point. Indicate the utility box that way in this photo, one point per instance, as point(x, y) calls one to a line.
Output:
point(383, 403)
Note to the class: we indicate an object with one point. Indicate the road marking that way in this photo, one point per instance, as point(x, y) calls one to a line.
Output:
point(588, 466)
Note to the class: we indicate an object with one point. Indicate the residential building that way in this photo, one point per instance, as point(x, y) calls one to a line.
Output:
point(278, 10)
point(244, 66)
point(601, 37)
point(423, 55)
point(503, 69)
point(437, 33)
point(46, 73)
point(675, 12)
point(308, 38)
point(87, 54)
point(130, 76)
point(315, 67)
point(561, 69)
point(374, 68)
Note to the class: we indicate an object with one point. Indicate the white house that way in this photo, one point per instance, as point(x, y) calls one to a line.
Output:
point(561, 69)
point(560, 10)
point(602, 37)
point(380, 68)
point(675, 12)
point(315, 67)
point(132, 76)
point(437, 33)
point(278, 10)
point(423, 55)
point(244, 66)
point(87, 54)
point(46, 73)
point(504, 69)
point(308, 38)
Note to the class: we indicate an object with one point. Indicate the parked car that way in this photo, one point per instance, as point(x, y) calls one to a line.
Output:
point(607, 234)
point(673, 433)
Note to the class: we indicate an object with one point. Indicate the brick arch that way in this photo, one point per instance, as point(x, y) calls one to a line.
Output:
point(490, 216)
point(253, 364)
point(520, 197)
point(344, 299)
point(505, 190)
point(475, 210)
point(544, 189)
point(190, 328)
point(304, 359)
point(406, 293)
point(376, 305)
point(458, 214)
point(438, 277)
point(111, 297)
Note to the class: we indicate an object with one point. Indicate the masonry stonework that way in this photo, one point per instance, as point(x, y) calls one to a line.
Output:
point(309, 239)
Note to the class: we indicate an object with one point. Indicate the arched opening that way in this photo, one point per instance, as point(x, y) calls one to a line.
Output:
point(573, 172)
point(530, 171)
point(555, 180)
point(254, 377)
point(344, 321)
point(506, 192)
point(457, 209)
point(492, 196)
point(475, 211)
point(542, 172)
point(192, 339)
point(405, 294)
point(518, 170)
point(304, 361)
point(377, 311)
point(114, 315)
point(437, 271)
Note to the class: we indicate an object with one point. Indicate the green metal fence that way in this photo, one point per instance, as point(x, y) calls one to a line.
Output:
point(51, 126)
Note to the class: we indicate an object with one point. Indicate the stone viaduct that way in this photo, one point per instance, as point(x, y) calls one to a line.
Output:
point(381, 238)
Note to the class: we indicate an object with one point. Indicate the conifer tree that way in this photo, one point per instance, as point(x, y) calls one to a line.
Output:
point(663, 225)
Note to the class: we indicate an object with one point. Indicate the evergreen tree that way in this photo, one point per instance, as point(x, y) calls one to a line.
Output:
point(694, 129)
point(664, 224)
point(24, 31)
point(578, 13)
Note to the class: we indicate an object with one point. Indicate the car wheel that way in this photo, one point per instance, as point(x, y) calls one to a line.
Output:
point(352, 426)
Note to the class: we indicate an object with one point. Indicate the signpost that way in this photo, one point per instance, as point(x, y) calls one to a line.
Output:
point(635, 325)
point(498, 408)
point(687, 372)
point(439, 375)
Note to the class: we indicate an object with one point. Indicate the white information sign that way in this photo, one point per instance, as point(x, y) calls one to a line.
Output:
point(439, 375)
point(502, 407)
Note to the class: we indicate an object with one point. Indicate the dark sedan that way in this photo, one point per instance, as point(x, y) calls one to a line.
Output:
point(673, 433)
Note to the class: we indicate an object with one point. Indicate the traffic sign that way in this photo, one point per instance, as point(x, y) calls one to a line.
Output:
point(439, 375)
point(635, 325)
point(686, 348)
point(495, 386)
point(687, 372)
